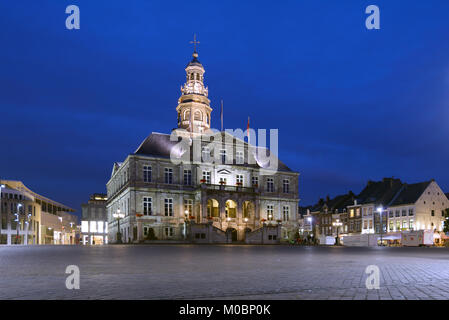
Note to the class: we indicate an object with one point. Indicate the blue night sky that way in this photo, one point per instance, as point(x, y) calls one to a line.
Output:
point(351, 105)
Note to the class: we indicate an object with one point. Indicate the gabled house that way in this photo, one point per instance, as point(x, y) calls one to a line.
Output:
point(418, 206)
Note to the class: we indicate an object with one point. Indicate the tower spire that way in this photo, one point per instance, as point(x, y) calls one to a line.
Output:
point(194, 106)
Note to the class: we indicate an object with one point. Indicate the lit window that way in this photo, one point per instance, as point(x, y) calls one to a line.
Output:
point(84, 226)
point(93, 226)
point(100, 226)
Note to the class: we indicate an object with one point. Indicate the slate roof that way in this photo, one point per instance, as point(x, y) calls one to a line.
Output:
point(338, 203)
point(380, 192)
point(159, 145)
point(410, 193)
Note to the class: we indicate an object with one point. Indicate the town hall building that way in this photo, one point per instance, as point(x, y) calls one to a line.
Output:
point(216, 191)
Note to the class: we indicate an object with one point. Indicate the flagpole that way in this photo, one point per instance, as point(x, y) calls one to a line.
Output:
point(247, 131)
point(221, 115)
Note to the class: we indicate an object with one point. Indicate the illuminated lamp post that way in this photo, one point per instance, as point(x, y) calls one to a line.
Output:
point(380, 211)
point(337, 224)
point(118, 216)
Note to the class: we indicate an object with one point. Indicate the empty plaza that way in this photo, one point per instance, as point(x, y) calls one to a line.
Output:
point(222, 272)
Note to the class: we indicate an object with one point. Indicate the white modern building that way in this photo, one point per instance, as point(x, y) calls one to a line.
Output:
point(29, 218)
point(94, 221)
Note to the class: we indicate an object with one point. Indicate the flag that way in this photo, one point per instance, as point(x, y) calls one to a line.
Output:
point(221, 115)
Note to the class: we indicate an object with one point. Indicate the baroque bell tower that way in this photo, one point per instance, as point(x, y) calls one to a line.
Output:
point(194, 106)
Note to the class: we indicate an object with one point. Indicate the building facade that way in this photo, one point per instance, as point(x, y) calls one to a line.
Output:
point(165, 188)
point(29, 218)
point(385, 208)
point(94, 220)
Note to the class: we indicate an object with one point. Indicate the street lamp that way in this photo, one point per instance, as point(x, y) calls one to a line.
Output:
point(118, 216)
point(186, 217)
point(380, 211)
point(337, 224)
point(19, 205)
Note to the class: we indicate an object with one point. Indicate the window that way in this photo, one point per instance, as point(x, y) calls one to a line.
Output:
point(433, 213)
point(239, 179)
point(365, 224)
point(390, 214)
point(255, 181)
point(371, 224)
point(391, 225)
point(169, 231)
point(223, 155)
point(286, 213)
point(168, 206)
point(188, 206)
point(270, 185)
point(357, 212)
point(93, 226)
point(397, 212)
point(286, 186)
point(100, 226)
point(206, 155)
point(404, 213)
point(410, 212)
point(168, 174)
point(404, 224)
point(411, 225)
point(147, 206)
point(239, 157)
point(147, 173)
point(398, 225)
point(351, 213)
point(188, 177)
point(223, 181)
point(270, 215)
point(85, 226)
point(206, 177)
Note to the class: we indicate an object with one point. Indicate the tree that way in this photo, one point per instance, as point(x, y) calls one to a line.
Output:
point(446, 221)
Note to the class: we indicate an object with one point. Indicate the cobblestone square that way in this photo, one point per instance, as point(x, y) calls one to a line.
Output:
point(223, 272)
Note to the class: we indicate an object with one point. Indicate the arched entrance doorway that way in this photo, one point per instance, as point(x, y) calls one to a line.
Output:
point(231, 234)
point(231, 209)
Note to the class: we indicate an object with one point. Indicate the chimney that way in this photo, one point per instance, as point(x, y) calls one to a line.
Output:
point(355, 202)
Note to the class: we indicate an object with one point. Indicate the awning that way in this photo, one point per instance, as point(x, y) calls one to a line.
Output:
point(392, 237)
